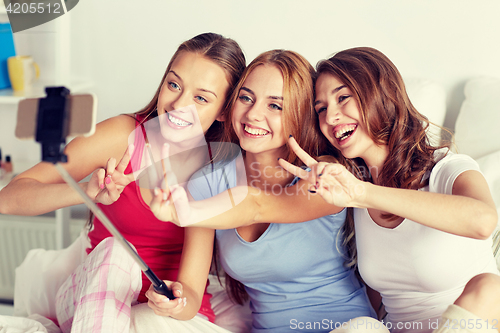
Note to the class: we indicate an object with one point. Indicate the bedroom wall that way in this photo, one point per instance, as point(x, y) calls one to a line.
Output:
point(123, 46)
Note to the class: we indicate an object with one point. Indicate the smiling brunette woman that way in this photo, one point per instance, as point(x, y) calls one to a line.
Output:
point(423, 214)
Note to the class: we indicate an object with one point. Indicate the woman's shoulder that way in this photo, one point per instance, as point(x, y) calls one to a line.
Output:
point(448, 167)
point(119, 123)
point(110, 139)
point(445, 156)
point(117, 128)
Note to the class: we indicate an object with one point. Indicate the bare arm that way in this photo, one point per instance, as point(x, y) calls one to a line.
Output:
point(192, 279)
point(242, 206)
point(469, 212)
point(41, 189)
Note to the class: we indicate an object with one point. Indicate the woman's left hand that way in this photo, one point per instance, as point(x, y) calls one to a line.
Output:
point(171, 205)
point(106, 184)
point(332, 181)
point(161, 305)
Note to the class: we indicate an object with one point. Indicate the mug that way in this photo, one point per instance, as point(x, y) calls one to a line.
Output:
point(23, 71)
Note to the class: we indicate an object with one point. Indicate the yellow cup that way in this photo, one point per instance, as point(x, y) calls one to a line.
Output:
point(23, 71)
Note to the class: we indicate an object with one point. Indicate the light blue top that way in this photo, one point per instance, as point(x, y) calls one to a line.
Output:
point(293, 273)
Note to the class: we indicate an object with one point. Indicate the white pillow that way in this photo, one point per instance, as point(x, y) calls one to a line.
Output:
point(429, 98)
point(42, 273)
point(476, 129)
point(490, 167)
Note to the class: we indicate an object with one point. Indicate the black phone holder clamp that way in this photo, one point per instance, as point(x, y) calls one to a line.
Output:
point(52, 124)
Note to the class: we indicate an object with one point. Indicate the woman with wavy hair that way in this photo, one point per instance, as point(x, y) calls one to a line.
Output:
point(423, 215)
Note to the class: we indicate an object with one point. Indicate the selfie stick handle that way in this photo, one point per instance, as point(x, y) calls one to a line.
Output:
point(52, 128)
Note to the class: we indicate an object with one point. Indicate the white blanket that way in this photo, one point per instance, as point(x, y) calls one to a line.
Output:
point(32, 324)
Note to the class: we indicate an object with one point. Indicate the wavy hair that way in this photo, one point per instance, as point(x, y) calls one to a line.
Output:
point(389, 117)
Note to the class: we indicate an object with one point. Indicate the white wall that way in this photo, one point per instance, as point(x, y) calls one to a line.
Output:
point(123, 46)
point(130, 42)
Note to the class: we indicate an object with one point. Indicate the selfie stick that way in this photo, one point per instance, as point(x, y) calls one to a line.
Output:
point(51, 132)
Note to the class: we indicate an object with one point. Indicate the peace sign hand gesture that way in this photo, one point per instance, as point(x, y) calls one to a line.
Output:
point(170, 203)
point(332, 181)
point(106, 184)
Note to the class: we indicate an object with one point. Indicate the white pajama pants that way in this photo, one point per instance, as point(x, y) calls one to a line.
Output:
point(98, 296)
point(144, 320)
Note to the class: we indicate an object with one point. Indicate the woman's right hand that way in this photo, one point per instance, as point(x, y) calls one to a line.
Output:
point(162, 306)
point(106, 184)
point(332, 181)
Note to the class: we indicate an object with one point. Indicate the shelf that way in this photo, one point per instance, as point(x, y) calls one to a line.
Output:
point(8, 96)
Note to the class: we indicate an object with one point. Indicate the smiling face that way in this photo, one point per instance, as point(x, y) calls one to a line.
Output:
point(340, 119)
point(191, 97)
point(257, 113)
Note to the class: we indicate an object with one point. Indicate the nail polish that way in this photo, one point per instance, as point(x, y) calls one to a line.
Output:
point(7, 165)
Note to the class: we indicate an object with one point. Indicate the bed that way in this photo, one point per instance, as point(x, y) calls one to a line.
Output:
point(475, 135)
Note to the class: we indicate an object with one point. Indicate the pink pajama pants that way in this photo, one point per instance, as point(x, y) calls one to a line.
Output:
point(98, 296)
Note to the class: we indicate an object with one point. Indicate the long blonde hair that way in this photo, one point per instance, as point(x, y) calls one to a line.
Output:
point(298, 117)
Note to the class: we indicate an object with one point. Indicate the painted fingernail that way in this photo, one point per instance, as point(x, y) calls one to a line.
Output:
point(108, 179)
point(156, 191)
point(291, 136)
point(185, 301)
point(320, 175)
point(279, 158)
point(180, 300)
point(101, 186)
point(165, 196)
point(166, 299)
point(311, 191)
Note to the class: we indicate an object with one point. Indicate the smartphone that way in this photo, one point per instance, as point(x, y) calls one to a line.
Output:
point(81, 116)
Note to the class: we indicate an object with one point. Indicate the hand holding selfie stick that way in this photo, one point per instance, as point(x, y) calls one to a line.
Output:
point(51, 131)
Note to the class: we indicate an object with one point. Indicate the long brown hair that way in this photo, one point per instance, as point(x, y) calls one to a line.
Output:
point(389, 117)
point(224, 52)
point(298, 120)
